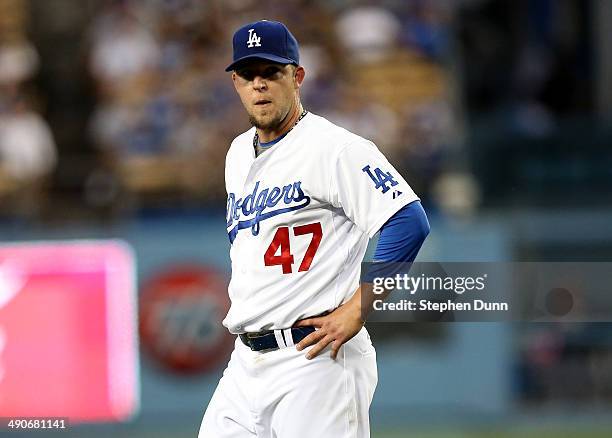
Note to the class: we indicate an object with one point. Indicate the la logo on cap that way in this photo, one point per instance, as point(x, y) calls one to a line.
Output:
point(254, 40)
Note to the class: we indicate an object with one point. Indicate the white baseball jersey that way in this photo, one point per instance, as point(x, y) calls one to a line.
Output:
point(299, 217)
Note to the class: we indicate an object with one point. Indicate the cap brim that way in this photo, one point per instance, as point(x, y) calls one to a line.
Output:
point(263, 56)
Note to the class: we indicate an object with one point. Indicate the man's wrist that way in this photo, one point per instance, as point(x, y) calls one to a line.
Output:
point(356, 305)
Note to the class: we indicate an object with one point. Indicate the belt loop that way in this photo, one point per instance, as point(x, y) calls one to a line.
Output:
point(288, 337)
point(279, 338)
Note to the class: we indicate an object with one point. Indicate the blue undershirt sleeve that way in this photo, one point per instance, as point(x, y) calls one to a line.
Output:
point(402, 235)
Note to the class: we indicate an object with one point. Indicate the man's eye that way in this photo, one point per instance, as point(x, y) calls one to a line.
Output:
point(249, 75)
point(246, 74)
point(270, 72)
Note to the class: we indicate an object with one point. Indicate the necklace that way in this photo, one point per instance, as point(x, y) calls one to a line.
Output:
point(256, 136)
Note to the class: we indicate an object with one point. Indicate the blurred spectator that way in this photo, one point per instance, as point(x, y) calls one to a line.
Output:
point(122, 47)
point(426, 28)
point(28, 154)
point(27, 150)
point(27, 157)
point(368, 32)
point(366, 117)
point(18, 62)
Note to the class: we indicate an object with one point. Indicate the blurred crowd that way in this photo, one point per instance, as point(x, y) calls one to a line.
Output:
point(28, 152)
point(158, 111)
point(532, 79)
point(565, 362)
point(166, 110)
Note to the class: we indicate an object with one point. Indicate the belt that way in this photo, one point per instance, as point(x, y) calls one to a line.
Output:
point(270, 340)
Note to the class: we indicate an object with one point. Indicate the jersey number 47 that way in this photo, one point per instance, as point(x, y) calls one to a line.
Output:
point(280, 243)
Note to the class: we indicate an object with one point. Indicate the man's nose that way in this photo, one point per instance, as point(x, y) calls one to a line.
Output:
point(259, 83)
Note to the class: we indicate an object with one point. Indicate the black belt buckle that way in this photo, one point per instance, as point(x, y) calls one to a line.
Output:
point(248, 340)
point(266, 341)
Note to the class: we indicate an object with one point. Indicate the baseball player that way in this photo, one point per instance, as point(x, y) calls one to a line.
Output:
point(304, 197)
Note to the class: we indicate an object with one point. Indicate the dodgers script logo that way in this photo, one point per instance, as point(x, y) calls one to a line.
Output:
point(262, 205)
point(254, 40)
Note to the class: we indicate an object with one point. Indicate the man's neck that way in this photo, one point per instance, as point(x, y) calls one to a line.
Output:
point(268, 135)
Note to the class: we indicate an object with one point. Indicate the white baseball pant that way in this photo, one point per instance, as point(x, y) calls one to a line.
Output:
point(281, 394)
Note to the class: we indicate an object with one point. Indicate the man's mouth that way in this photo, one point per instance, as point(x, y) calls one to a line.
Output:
point(263, 102)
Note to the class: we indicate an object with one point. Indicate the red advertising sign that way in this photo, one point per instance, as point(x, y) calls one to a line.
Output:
point(181, 309)
point(68, 344)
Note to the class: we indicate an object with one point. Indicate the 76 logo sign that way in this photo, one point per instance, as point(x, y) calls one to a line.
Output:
point(280, 243)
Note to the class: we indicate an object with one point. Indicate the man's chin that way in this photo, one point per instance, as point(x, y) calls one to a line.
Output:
point(264, 122)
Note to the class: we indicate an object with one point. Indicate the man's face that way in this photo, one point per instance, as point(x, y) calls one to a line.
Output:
point(268, 91)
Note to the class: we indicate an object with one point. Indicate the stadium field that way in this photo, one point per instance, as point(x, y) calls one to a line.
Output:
point(533, 433)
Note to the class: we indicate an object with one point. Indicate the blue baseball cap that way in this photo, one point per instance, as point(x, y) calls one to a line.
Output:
point(270, 40)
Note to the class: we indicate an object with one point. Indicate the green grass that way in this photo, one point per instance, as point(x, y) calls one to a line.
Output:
point(516, 431)
point(496, 434)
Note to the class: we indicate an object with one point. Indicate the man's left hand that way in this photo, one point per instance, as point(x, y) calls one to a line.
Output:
point(335, 328)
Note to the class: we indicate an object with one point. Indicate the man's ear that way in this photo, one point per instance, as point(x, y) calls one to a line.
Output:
point(298, 76)
point(234, 76)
